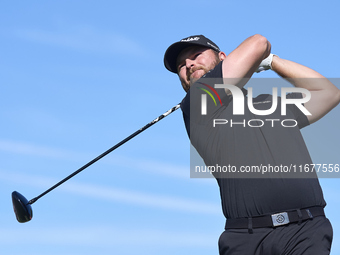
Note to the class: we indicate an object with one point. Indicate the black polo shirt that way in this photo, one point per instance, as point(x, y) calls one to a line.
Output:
point(251, 141)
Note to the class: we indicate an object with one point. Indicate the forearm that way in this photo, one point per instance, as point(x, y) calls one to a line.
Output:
point(244, 60)
point(324, 95)
point(297, 74)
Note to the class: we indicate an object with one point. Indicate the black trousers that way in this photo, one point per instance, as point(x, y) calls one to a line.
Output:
point(311, 237)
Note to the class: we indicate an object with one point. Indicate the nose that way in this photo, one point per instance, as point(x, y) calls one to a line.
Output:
point(189, 63)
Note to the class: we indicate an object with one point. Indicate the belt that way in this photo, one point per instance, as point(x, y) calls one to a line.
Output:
point(275, 220)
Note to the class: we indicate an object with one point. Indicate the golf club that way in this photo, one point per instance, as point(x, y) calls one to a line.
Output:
point(22, 207)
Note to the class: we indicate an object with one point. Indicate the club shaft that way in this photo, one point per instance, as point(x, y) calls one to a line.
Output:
point(105, 153)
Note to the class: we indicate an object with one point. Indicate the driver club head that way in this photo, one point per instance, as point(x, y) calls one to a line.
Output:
point(22, 209)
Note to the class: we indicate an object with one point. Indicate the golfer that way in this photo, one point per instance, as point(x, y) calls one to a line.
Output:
point(267, 216)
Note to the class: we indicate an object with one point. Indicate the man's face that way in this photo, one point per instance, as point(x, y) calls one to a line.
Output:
point(193, 63)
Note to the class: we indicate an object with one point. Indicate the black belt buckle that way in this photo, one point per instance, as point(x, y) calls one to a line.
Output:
point(280, 219)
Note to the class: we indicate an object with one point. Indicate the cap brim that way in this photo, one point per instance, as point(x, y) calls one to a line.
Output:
point(171, 54)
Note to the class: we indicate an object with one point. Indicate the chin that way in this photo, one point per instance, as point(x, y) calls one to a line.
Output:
point(192, 81)
point(196, 78)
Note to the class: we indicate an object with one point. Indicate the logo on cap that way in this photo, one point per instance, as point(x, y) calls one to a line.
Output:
point(190, 39)
point(211, 45)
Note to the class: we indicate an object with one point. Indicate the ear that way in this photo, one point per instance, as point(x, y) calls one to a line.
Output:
point(222, 55)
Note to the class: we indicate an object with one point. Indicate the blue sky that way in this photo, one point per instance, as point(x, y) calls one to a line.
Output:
point(79, 76)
